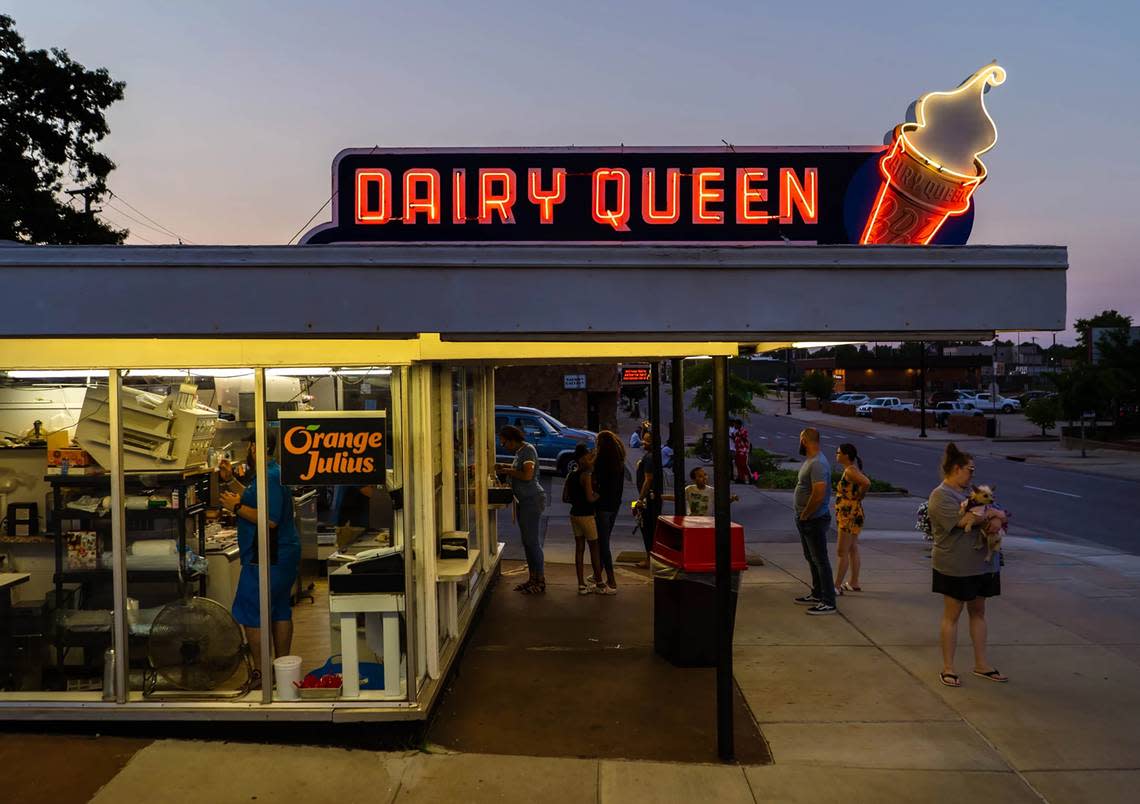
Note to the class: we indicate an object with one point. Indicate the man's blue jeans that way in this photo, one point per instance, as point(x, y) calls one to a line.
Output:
point(813, 537)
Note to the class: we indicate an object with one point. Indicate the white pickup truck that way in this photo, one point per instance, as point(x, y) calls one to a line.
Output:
point(883, 403)
point(983, 402)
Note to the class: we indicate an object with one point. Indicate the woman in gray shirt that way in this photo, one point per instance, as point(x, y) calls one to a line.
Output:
point(530, 502)
point(961, 573)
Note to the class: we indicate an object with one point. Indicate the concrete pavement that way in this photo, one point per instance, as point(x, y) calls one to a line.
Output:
point(850, 705)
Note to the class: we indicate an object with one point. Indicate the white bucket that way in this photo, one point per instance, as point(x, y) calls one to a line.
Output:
point(286, 670)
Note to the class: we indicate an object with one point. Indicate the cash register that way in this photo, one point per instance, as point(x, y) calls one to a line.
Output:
point(380, 570)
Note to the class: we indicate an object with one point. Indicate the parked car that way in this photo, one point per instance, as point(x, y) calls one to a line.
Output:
point(944, 410)
point(852, 398)
point(883, 403)
point(554, 441)
point(1029, 396)
point(984, 403)
point(957, 395)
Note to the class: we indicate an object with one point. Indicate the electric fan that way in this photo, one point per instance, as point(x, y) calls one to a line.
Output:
point(195, 645)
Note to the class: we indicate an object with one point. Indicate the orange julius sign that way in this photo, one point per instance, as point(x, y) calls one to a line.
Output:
point(333, 449)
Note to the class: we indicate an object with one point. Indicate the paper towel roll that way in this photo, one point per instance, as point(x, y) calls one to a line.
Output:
point(154, 547)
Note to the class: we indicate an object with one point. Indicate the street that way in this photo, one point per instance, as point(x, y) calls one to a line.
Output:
point(1044, 502)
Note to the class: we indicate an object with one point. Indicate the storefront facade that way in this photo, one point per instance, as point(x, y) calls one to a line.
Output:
point(437, 349)
point(388, 324)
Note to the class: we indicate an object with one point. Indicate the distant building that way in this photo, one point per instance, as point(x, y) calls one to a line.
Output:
point(579, 395)
point(870, 374)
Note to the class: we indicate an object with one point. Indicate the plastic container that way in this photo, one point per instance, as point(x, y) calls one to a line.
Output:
point(286, 670)
point(689, 543)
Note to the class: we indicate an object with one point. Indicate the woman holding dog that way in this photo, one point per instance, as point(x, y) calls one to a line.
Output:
point(962, 575)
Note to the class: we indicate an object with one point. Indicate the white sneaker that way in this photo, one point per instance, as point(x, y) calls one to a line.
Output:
point(607, 590)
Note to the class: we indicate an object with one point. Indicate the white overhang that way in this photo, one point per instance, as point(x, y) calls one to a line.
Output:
point(746, 294)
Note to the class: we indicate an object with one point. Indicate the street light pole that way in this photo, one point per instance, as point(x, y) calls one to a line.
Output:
point(788, 381)
point(922, 389)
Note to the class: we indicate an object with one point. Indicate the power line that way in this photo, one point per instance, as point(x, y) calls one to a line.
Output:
point(166, 229)
point(130, 230)
point(322, 209)
point(130, 217)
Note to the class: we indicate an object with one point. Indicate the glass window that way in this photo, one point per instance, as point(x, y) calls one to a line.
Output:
point(56, 601)
point(342, 621)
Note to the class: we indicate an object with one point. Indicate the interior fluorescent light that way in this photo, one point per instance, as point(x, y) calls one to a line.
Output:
point(822, 344)
point(60, 374)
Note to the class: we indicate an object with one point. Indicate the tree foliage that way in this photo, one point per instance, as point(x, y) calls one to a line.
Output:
point(51, 120)
point(698, 375)
point(1107, 318)
point(819, 384)
point(1043, 412)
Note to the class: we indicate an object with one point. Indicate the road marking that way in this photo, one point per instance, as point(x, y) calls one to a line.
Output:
point(1050, 491)
point(908, 463)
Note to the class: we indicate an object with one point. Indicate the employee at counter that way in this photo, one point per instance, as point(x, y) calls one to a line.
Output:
point(284, 549)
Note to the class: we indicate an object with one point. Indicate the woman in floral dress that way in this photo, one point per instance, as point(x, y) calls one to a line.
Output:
point(849, 493)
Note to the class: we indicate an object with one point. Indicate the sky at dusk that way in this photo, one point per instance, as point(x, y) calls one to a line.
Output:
point(234, 110)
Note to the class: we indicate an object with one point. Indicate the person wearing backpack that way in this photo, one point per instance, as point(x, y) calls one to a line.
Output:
point(579, 492)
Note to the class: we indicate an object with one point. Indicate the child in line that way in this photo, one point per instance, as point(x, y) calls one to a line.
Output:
point(699, 495)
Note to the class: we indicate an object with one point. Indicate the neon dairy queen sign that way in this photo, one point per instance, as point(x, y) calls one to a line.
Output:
point(917, 189)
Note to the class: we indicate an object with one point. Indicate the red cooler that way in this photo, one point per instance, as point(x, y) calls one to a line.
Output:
point(684, 587)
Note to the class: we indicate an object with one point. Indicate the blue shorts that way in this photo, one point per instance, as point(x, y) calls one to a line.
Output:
point(282, 576)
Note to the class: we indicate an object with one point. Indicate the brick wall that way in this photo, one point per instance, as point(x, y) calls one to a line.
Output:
point(542, 387)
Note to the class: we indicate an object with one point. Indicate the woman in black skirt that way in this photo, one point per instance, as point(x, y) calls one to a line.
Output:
point(961, 573)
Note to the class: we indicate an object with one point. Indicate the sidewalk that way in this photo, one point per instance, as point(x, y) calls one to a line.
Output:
point(851, 705)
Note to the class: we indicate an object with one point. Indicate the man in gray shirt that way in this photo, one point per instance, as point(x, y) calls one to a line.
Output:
point(811, 501)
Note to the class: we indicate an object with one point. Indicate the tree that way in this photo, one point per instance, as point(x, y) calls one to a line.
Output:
point(1078, 390)
point(698, 375)
point(51, 119)
point(1043, 412)
point(1107, 318)
point(819, 384)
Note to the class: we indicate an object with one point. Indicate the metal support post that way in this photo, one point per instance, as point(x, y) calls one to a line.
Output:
point(679, 437)
point(922, 389)
point(723, 477)
point(262, 479)
point(650, 520)
point(120, 638)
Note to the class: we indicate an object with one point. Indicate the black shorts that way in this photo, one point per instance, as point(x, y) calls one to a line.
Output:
point(968, 587)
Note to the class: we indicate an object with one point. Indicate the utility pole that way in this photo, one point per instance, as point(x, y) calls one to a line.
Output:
point(87, 193)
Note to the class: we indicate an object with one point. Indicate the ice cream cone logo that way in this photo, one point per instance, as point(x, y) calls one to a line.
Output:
point(934, 164)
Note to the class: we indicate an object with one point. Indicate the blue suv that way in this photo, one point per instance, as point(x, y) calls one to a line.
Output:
point(554, 441)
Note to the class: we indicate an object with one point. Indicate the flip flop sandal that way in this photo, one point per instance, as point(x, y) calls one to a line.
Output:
point(849, 588)
point(992, 675)
point(950, 679)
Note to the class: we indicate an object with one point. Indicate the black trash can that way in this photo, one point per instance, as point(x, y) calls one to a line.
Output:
point(684, 615)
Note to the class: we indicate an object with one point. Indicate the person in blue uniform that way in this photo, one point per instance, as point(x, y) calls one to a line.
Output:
point(284, 549)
